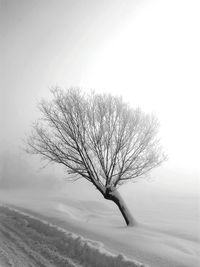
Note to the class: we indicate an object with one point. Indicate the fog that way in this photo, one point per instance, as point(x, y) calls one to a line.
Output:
point(146, 51)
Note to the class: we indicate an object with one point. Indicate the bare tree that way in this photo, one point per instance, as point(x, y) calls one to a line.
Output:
point(97, 137)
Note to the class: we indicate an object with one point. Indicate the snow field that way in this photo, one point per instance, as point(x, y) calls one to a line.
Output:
point(44, 244)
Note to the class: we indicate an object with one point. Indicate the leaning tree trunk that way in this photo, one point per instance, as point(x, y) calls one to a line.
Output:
point(115, 196)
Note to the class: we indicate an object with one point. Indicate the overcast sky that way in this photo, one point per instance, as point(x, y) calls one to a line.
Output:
point(147, 51)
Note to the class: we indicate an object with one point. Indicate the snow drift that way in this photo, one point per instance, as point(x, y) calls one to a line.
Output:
point(167, 233)
point(39, 243)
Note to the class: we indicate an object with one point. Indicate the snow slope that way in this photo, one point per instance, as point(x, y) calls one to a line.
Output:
point(29, 241)
point(167, 234)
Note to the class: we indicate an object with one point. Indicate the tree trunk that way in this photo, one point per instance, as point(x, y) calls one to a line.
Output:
point(116, 197)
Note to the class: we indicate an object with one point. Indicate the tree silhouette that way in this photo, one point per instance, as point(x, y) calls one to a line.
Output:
point(97, 137)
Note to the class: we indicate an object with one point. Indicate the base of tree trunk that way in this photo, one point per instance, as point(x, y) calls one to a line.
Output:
point(117, 199)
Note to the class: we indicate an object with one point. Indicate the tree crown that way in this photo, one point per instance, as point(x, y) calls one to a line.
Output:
point(97, 137)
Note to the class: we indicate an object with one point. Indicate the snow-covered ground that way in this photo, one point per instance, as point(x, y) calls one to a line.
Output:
point(167, 234)
point(27, 240)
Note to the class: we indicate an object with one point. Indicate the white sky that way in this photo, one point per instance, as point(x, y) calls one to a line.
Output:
point(147, 51)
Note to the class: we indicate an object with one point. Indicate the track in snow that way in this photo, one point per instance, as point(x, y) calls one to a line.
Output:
point(27, 241)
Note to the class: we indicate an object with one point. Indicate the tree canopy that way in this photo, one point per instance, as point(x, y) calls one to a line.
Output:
point(97, 137)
